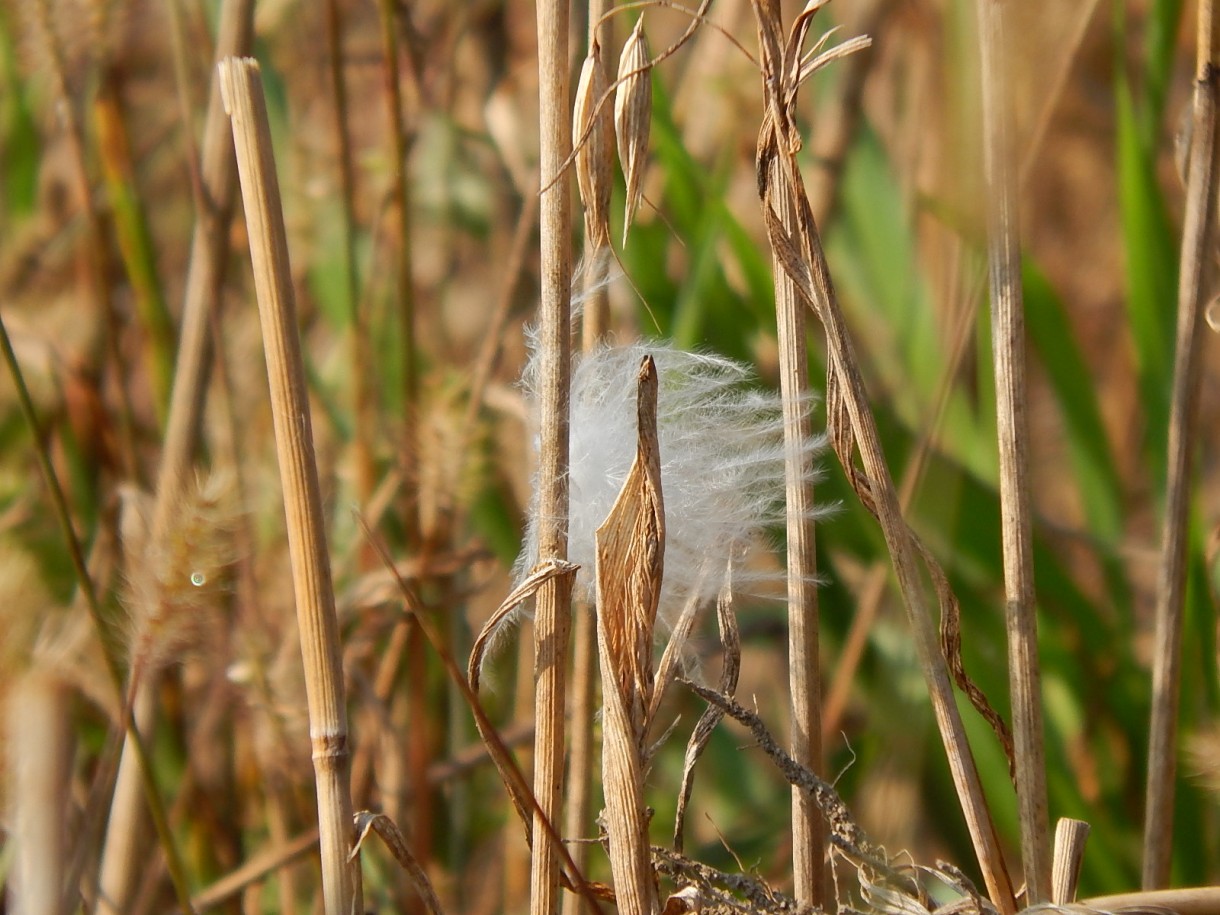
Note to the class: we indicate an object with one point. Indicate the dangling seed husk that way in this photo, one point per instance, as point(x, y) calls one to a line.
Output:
point(633, 116)
point(592, 137)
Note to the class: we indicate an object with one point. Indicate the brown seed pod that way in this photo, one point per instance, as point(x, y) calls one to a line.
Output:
point(633, 116)
point(593, 139)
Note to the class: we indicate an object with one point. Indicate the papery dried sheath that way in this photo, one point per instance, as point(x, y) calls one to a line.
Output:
point(593, 140)
point(633, 116)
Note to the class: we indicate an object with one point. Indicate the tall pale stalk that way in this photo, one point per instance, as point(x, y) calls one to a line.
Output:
point(39, 744)
point(1008, 344)
point(851, 423)
point(554, 607)
point(1198, 247)
point(804, 686)
point(311, 578)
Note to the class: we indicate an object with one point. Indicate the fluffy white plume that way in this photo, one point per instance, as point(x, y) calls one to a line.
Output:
point(722, 463)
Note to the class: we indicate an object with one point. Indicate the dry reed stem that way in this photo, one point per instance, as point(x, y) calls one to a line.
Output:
point(1198, 234)
point(851, 423)
point(39, 745)
point(394, 840)
point(313, 591)
point(804, 671)
point(1012, 422)
point(205, 273)
point(514, 781)
point(123, 850)
point(554, 607)
point(1070, 838)
point(630, 547)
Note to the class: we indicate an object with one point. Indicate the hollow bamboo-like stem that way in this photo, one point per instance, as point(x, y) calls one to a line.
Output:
point(1198, 233)
point(316, 620)
point(1008, 345)
point(1070, 837)
point(554, 610)
point(804, 673)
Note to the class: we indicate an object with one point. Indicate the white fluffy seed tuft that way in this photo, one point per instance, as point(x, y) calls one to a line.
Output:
point(722, 464)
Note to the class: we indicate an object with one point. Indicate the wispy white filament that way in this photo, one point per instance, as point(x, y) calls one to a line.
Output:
point(722, 463)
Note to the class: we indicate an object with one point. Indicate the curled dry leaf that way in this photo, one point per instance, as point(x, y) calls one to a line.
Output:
point(593, 140)
point(630, 548)
point(633, 116)
point(391, 835)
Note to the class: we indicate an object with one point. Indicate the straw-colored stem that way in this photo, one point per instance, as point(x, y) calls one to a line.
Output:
point(804, 672)
point(853, 427)
point(126, 829)
point(1070, 837)
point(316, 620)
point(1008, 345)
point(205, 273)
point(39, 745)
point(1197, 245)
point(553, 615)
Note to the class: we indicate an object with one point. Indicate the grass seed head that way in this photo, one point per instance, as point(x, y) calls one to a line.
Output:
point(593, 138)
point(633, 116)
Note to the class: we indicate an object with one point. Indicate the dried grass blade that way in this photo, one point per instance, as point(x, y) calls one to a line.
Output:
point(730, 636)
point(1198, 233)
point(852, 426)
point(396, 842)
point(544, 572)
point(630, 547)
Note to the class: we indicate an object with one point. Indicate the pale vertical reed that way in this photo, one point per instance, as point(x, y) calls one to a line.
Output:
point(1198, 247)
point(594, 167)
point(804, 671)
point(1070, 837)
point(1012, 422)
point(315, 602)
point(850, 420)
point(39, 744)
point(554, 606)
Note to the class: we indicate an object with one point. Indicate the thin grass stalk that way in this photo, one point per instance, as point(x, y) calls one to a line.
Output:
point(1198, 245)
point(126, 830)
point(318, 625)
point(361, 366)
point(404, 287)
point(39, 745)
point(852, 426)
point(554, 609)
point(1012, 421)
point(63, 516)
point(594, 326)
point(135, 243)
point(96, 256)
point(804, 671)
